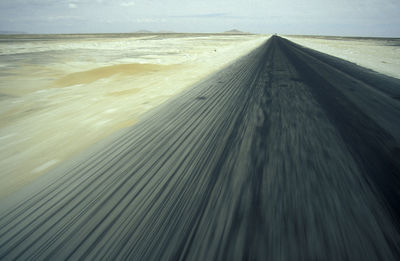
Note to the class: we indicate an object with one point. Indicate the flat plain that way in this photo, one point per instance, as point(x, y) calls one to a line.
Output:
point(59, 94)
point(284, 153)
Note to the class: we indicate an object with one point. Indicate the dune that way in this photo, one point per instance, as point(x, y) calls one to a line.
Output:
point(235, 31)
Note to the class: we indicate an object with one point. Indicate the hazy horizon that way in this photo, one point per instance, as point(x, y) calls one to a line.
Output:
point(369, 18)
point(12, 33)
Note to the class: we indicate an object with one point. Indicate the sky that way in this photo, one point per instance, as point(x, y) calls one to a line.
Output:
point(313, 17)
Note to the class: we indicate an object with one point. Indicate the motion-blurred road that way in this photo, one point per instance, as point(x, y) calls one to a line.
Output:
point(288, 154)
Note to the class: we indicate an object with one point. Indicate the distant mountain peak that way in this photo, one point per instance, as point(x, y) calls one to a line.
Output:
point(235, 31)
point(166, 32)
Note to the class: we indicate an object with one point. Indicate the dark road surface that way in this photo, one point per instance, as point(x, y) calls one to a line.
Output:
point(288, 154)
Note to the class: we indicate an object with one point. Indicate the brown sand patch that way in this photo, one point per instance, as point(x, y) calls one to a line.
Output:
point(93, 75)
point(123, 124)
point(124, 92)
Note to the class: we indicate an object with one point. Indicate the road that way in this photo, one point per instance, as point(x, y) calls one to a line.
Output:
point(287, 154)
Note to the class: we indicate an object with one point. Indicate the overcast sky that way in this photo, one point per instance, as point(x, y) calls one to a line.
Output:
point(324, 17)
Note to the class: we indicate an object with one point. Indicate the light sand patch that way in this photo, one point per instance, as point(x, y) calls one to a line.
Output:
point(110, 110)
point(90, 76)
point(124, 92)
point(15, 113)
point(45, 166)
point(7, 136)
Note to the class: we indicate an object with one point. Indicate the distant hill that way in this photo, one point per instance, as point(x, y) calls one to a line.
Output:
point(12, 32)
point(166, 32)
point(235, 31)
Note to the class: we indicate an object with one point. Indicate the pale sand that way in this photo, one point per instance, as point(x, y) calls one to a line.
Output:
point(379, 54)
point(93, 75)
point(59, 97)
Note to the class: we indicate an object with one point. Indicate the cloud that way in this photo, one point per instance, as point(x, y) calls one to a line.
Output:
point(126, 4)
point(72, 5)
